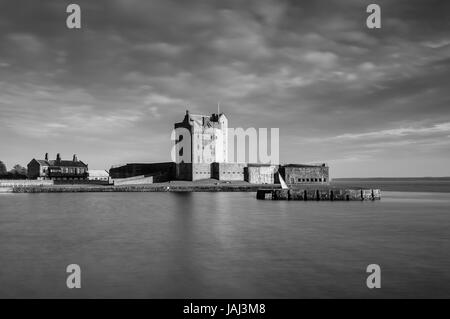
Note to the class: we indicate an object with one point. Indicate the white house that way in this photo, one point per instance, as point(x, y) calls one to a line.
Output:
point(98, 175)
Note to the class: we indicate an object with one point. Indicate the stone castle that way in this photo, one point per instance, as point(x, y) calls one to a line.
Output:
point(209, 140)
point(207, 157)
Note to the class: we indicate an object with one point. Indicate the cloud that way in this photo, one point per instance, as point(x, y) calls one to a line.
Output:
point(311, 68)
point(165, 49)
point(398, 132)
point(321, 59)
point(438, 44)
point(26, 42)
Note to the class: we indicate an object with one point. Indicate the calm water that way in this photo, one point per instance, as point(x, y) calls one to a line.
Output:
point(168, 245)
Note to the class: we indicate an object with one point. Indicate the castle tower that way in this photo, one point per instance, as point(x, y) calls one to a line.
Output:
point(209, 137)
point(209, 142)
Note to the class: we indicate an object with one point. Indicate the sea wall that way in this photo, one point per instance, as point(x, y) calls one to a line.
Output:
point(24, 182)
point(140, 188)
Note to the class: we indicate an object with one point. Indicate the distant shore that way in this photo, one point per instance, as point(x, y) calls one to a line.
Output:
point(396, 184)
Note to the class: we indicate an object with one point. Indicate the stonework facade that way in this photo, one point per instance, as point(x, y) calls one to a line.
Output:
point(261, 174)
point(305, 174)
point(209, 144)
point(209, 138)
point(228, 171)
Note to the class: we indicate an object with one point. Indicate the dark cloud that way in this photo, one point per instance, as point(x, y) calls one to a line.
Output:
point(338, 91)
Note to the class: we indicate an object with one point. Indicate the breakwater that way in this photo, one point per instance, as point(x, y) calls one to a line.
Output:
point(319, 194)
point(271, 191)
point(140, 188)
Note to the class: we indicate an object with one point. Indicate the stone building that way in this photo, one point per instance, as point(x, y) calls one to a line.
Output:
point(208, 144)
point(57, 169)
point(305, 174)
point(262, 174)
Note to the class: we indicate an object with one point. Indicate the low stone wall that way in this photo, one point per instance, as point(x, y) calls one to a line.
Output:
point(24, 182)
point(136, 180)
point(81, 182)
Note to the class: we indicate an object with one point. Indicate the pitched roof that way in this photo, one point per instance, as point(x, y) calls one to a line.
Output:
point(61, 163)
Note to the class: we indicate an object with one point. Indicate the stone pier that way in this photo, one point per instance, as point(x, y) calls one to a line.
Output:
point(319, 194)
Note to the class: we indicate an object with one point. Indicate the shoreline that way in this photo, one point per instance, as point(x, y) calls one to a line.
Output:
point(140, 188)
point(266, 191)
point(212, 185)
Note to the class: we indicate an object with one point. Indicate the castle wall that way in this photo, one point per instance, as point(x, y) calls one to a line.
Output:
point(137, 169)
point(228, 171)
point(201, 171)
point(261, 174)
point(184, 171)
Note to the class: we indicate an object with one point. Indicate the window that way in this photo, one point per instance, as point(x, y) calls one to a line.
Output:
point(299, 179)
point(324, 179)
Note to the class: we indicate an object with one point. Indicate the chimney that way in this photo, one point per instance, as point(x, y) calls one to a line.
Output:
point(75, 158)
point(46, 156)
point(58, 158)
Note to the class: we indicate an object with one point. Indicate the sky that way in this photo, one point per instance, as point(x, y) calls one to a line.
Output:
point(369, 102)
